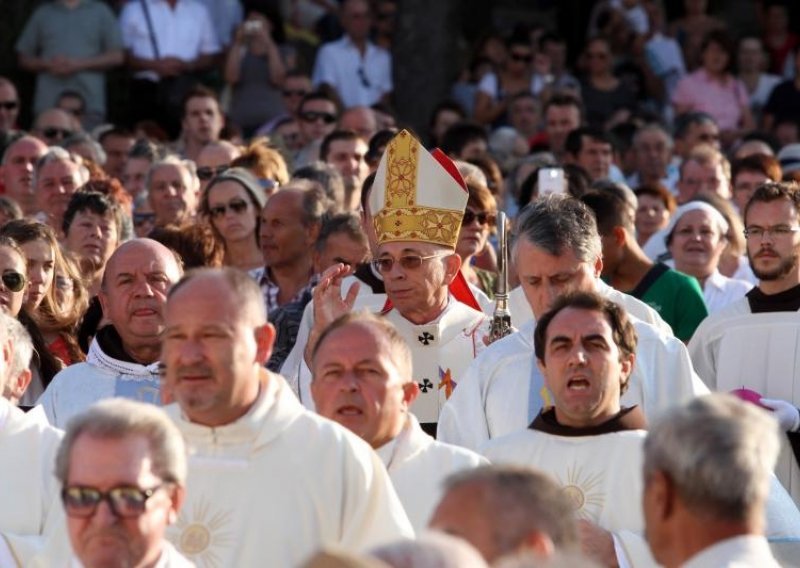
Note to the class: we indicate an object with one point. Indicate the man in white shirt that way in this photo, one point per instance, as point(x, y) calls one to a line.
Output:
point(269, 482)
point(707, 468)
point(362, 380)
point(356, 68)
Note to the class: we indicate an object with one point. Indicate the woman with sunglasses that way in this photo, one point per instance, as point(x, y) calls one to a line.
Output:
point(515, 76)
point(232, 204)
point(13, 284)
point(58, 322)
point(477, 223)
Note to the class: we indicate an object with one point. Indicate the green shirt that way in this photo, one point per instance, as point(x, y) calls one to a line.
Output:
point(676, 297)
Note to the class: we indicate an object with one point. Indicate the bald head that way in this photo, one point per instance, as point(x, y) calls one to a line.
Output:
point(361, 120)
point(147, 249)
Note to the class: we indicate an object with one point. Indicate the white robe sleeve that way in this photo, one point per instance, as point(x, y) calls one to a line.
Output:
point(633, 550)
point(462, 421)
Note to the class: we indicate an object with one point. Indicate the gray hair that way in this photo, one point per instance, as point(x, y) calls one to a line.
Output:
point(719, 452)
point(21, 340)
point(78, 138)
point(119, 418)
point(432, 550)
point(517, 501)
point(58, 154)
point(559, 223)
point(173, 160)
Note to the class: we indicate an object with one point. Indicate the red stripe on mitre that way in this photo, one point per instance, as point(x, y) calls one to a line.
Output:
point(449, 167)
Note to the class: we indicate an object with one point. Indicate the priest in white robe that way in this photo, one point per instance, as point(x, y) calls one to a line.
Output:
point(558, 250)
point(362, 380)
point(418, 200)
point(269, 482)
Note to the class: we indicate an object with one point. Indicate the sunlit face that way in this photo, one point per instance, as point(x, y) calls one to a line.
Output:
point(56, 181)
point(559, 121)
point(213, 348)
point(773, 257)
point(173, 194)
point(232, 225)
point(104, 539)
point(92, 237)
point(347, 156)
point(651, 215)
point(11, 263)
point(544, 277)
point(583, 367)
point(40, 259)
point(17, 171)
point(341, 248)
point(116, 148)
point(697, 244)
point(595, 157)
point(473, 235)
point(134, 174)
point(744, 185)
point(284, 237)
point(202, 121)
point(359, 383)
point(699, 177)
point(317, 119)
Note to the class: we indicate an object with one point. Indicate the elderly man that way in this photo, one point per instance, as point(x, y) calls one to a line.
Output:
point(19, 372)
point(123, 356)
point(173, 191)
point(752, 343)
point(505, 511)
point(707, 468)
point(652, 148)
point(16, 171)
point(214, 158)
point(27, 452)
point(244, 425)
point(362, 380)
point(417, 201)
point(558, 250)
point(57, 175)
point(122, 468)
point(92, 230)
point(707, 170)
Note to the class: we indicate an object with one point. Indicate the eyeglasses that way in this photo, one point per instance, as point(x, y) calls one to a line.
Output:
point(482, 217)
point(9, 105)
point(313, 116)
point(362, 76)
point(125, 501)
point(206, 173)
point(140, 219)
point(294, 93)
point(13, 280)
point(54, 132)
point(408, 262)
point(237, 206)
point(522, 58)
point(777, 232)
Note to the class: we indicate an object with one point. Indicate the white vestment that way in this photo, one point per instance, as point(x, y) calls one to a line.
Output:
point(418, 466)
point(736, 349)
point(601, 474)
point(77, 387)
point(279, 483)
point(737, 552)
point(521, 312)
point(170, 558)
point(503, 389)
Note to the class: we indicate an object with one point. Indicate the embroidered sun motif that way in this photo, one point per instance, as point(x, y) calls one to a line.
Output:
point(202, 535)
point(584, 489)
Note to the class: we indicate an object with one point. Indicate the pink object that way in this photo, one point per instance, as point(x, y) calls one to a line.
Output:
point(748, 395)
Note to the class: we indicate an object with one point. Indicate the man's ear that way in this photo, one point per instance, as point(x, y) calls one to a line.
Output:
point(410, 392)
point(20, 383)
point(177, 496)
point(265, 339)
point(661, 494)
point(452, 264)
point(620, 236)
point(312, 233)
point(598, 266)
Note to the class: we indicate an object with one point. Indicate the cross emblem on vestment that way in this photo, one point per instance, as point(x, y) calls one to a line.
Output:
point(425, 338)
point(425, 385)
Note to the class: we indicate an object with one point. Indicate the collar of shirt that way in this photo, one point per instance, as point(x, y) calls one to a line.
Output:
point(271, 289)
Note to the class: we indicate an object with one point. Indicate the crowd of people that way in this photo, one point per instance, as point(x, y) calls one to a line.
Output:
point(258, 320)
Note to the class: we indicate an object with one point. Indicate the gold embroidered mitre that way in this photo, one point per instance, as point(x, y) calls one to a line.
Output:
point(417, 195)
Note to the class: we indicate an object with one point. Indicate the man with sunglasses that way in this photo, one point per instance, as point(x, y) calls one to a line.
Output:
point(9, 111)
point(53, 126)
point(358, 70)
point(213, 159)
point(122, 469)
point(418, 200)
point(752, 344)
point(317, 118)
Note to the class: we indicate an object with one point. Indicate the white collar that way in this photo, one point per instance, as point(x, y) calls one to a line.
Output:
point(98, 358)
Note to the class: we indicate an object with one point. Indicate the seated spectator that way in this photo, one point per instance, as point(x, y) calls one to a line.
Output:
point(465, 141)
point(213, 159)
point(607, 99)
point(57, 175)
point(696, 240)
point(652, 147)
point(83, 145)
point(92, 227)
point(53, 126)
point(232, 204)
point(695, 128)
point(359, 71)
point(201, 122)
point(17, 169)
point(705, 170)
point(74, 104)
point(516, 75)
point(750, 172)
point(345, 150)
point(445, 114)
point(750, 62)
point(116, 142)
point(134, 173)
point(715, 90)
point(173, 190)
point(255, 71)
point(655, 206)
point(563, 113)
point(318, 116)
point(361, 120)
point(591, 149)
point(525, 115)
point(19, 373)
point(476, 226)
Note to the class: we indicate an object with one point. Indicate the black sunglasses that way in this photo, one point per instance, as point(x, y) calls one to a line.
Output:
point(125, 501)
point(237, 206)
point(206, 173)
point(140, 219)
point(313, 116)
point(9, 105)
point(482, 217)
point(54, 132)
point(13, 280)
